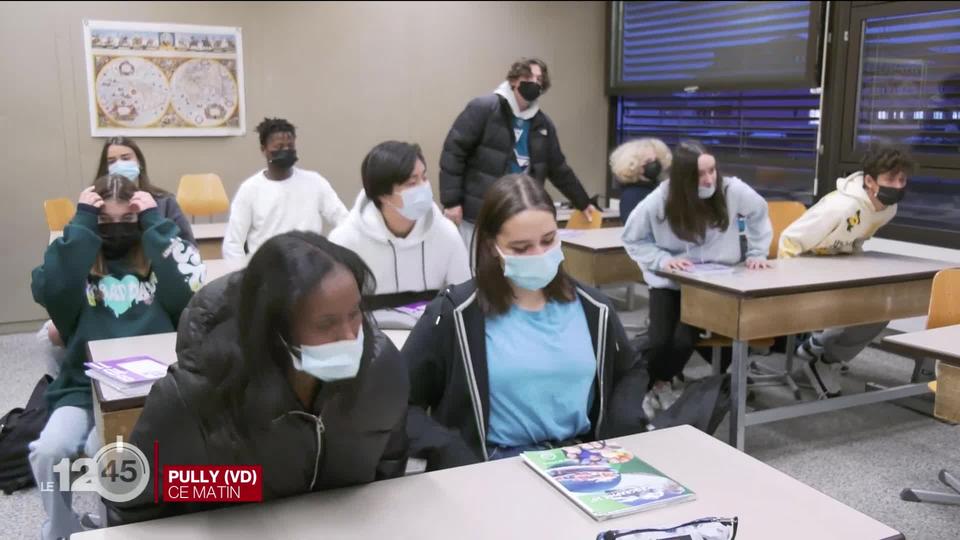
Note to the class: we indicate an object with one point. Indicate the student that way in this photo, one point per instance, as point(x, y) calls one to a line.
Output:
point(397, 229)
point(280, 367)
point(639, 165)
point(690, 218)
point(279, 198)
point(119, 270)
point(522, 357)
point(122, 156)
point(504, 132)
point(839, 224)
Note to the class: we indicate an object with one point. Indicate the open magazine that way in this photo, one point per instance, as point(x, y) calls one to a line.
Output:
point(606, 480)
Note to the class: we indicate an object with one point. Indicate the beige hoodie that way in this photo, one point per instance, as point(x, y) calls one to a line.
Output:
point(840, 223)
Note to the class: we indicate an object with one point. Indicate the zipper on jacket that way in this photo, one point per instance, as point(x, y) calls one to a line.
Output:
point(318, 424)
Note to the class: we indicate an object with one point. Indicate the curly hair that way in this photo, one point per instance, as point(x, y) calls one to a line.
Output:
point(270, 126)
point(887, 158)
point(521, 68)
point(626, 162)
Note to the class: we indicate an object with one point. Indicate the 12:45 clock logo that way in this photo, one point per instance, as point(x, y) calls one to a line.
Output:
point(119, 472)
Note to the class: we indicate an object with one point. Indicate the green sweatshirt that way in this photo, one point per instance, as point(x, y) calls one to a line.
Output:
point(85, 307)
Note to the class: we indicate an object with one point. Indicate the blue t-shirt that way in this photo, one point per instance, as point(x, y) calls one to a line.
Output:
point(541, 367)
point(521, 149)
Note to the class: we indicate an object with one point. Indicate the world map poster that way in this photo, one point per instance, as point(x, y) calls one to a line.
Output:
point(164, 80)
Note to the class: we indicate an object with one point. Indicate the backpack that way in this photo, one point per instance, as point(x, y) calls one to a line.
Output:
point(702, 405)
point(18, 428)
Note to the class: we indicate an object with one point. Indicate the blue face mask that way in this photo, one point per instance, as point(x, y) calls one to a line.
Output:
point(417, 201)
point(331, 361)
point(532, 272)
point(706, 192)
point(128, 169)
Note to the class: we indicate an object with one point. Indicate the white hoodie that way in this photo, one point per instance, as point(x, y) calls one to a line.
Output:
point(839, 223)
point(432, 256)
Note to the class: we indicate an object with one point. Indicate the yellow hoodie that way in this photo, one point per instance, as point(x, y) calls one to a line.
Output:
point(840, 223)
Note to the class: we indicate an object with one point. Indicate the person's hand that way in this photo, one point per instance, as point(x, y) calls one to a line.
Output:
point(756, 263)
point(54, 335)
point(90, 197)
point(677, 264)
point(142, 201)
point(454, 214)
point(591, 211)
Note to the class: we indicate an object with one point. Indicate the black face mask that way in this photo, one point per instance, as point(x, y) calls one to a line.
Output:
point(652, 170)
point(889, 196)
point(283, 158)
point(118, 238)
point(529, 90)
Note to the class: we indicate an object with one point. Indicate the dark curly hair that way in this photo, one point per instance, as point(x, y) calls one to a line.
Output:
point(887, 158)
point(274, 125)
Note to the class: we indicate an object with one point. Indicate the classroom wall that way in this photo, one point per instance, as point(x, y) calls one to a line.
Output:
point(349, 75)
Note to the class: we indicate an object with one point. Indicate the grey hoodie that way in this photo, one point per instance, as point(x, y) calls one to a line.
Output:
point(650, 241)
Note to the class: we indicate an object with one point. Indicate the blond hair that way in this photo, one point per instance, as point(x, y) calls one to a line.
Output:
point(626, 162)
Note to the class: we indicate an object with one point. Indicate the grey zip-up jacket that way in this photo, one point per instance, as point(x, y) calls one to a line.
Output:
point(447, 361)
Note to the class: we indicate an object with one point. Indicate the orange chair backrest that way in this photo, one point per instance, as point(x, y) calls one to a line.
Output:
point(202, 195)
point(782, 214)
point(579, 221)
point(59, 212)
point(944, 307)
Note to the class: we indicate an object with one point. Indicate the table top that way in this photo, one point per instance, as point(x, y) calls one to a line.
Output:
point(606, 239)
point(942, 343)
point(209, 231)
point(506, 499)
point(803, 274)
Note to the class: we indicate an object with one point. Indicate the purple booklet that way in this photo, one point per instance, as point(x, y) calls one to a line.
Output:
point(415, 309)
point(132, 370)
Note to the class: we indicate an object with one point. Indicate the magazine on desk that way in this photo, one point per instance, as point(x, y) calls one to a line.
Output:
point(605, 480)
point(132, 371)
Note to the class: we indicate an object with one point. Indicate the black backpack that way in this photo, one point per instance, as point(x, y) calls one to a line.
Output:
point(18, 428)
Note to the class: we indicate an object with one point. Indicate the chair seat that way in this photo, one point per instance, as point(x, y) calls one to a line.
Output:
point(723, 341)
point(932, 385)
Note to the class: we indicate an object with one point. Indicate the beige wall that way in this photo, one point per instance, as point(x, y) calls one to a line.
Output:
point(348, 75)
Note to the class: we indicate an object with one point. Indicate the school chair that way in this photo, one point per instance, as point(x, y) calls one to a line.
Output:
point(59, 212)
point(944, 310)
point(202, 195)
point(782, 214)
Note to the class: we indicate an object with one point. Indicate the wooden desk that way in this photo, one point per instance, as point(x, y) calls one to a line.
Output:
point(944, 345)
point(209, 238)
point(803, 295)
point(506, 499)
point(597, 257)
point(610, 217)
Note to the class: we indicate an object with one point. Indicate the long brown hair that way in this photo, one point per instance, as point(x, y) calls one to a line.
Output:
point(688, 215)
point(506, 198)
point(114, 187)
point(144, 181)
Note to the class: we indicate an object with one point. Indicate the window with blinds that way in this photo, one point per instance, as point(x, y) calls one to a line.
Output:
point(713, 45)
point(767, 137)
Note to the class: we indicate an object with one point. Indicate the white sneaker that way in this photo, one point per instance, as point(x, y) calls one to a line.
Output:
point(667, 395)
point(650, 406)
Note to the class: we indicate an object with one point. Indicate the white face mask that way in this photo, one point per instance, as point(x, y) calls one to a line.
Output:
point(706, 192)
point(417, 201)
point(331, 361)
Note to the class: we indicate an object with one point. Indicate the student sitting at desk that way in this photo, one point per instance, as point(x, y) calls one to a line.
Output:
point(279, 198)
point(119, 270)
point(398, 231)
point(639, 165)
point(839, 224)
point(522, 357)
point(279, 366)
point(690, 218)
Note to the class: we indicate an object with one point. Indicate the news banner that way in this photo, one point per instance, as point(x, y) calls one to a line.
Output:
point(120, 472)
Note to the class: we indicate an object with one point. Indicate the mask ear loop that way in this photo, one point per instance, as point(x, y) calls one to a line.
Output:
point(294, 352)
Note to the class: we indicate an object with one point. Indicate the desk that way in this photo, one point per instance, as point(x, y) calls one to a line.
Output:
point(209, 238)
point(944, 345)
point(597, 257)
point(610, 217)
point(804, 294)
point(506, 499)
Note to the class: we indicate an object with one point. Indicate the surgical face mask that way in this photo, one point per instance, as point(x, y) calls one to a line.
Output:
point(283, 158)
point(128, 169)
point(118, 238)
point(889, 196)
point(706, 192)
point(652, 170)
point(529, 90)
point(417, 201)
point(532, 272)
point(331, 361)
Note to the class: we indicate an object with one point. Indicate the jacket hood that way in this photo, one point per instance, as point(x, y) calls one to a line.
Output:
point(367, 219)
point(852, 186)
point(505, 91)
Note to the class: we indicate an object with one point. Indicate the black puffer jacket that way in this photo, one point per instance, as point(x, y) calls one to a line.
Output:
point(351, 435)
point(447, 357)
point(480, 146)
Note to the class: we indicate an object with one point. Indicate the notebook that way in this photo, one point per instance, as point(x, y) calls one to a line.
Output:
point(129, 371)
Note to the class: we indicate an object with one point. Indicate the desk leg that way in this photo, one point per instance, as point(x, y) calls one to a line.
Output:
point(738, 394)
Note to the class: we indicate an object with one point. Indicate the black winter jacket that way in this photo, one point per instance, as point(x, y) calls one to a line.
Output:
point(480, 147)
point(446, 357)
point(346, 438)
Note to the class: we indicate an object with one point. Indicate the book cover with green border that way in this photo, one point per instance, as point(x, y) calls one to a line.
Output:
point(605, 480)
